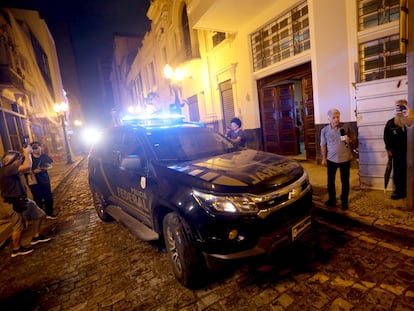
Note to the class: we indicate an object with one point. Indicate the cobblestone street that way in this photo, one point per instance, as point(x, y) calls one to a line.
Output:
point(91, 265)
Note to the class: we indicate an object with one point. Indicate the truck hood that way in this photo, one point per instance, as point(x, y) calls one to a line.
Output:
point(237, 171)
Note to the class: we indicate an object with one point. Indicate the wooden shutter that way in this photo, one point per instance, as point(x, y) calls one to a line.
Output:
point(227, 101)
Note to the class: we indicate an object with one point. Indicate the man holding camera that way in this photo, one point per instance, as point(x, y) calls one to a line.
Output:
point(19, 207)
point(39, 181)
point(395, 139)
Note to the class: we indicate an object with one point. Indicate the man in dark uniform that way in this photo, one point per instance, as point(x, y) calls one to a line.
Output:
point(395, 139)
point(40, 185)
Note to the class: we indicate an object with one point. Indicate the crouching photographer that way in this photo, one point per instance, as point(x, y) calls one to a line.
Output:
point(19, 207)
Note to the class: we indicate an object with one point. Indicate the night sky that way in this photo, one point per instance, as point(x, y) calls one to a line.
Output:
point(92, 24)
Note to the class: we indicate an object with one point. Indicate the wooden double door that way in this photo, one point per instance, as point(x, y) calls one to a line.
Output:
point(287, 113)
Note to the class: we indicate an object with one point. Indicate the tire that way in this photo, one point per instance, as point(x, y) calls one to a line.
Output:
point(100, 205)
point(187, 263)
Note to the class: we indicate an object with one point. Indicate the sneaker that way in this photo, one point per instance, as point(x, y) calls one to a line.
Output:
point(51, 216)
point(40, 239)
point(21, 251)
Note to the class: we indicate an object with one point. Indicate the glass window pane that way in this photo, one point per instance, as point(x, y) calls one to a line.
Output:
point(396, 59)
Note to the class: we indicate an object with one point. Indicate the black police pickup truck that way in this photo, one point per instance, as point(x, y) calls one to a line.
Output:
point(210, 201)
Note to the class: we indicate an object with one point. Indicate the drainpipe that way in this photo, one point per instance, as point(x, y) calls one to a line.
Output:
point(410, 76)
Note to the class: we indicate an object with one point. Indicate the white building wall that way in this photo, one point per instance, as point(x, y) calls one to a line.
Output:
point(245, 87)
point(330, 59)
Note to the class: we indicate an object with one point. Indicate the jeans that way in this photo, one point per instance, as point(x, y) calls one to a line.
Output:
point(42, 195)
point(344, 169)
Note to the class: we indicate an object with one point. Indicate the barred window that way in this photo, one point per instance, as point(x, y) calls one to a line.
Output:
point(284, 37)
point(381, 58)
point(379, 55)
point(372, 13)
point(218, 37)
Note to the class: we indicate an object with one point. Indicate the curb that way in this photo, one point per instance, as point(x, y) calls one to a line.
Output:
point(399, 230)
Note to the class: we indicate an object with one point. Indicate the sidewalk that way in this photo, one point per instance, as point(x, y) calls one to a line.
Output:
point(369, 207)
point(60, 170)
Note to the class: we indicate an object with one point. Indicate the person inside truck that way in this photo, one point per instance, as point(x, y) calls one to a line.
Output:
point(236, 134)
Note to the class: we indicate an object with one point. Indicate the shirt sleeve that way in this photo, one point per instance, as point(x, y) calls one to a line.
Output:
point(323, 137)
point(46, 159)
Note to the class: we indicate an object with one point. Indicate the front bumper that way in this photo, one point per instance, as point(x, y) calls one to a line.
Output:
point(266, 244)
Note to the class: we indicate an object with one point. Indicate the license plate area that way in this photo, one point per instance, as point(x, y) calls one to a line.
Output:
point(300, 228)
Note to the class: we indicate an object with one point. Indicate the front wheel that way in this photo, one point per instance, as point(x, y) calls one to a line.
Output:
point(100, 205)
point(187, 263)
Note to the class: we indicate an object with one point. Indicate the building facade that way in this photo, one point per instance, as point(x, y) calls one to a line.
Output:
point(30, 82)
point(278, 65)
point(125, 48)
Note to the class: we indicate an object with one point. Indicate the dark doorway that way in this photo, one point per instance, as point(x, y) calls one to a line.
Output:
point(287, 114)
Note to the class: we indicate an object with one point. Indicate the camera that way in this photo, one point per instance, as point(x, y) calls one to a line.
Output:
point(400, 108)
point(25, 141)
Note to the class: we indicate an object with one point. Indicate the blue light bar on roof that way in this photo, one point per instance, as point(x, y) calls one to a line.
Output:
point(153, 119)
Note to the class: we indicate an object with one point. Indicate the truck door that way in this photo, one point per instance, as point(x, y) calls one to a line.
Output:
point(129, 177)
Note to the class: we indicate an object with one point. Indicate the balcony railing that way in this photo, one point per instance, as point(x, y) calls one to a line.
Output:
point(10, 78)
point(284, 37)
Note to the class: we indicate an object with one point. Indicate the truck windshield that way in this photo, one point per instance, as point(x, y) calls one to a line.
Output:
point(186, 144)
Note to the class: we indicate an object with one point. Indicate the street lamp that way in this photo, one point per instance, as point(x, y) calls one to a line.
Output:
point(60, 110)
point(78, 123)
point(175, 76)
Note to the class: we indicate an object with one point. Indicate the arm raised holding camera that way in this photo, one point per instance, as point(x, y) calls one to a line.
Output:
point(27, 160)
point(404, 112)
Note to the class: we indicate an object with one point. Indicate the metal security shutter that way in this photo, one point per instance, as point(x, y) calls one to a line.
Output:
point(375, 106)
point(226, 95)
point(193, 108)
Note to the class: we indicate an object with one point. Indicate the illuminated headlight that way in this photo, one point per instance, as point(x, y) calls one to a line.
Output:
point(227, 204)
